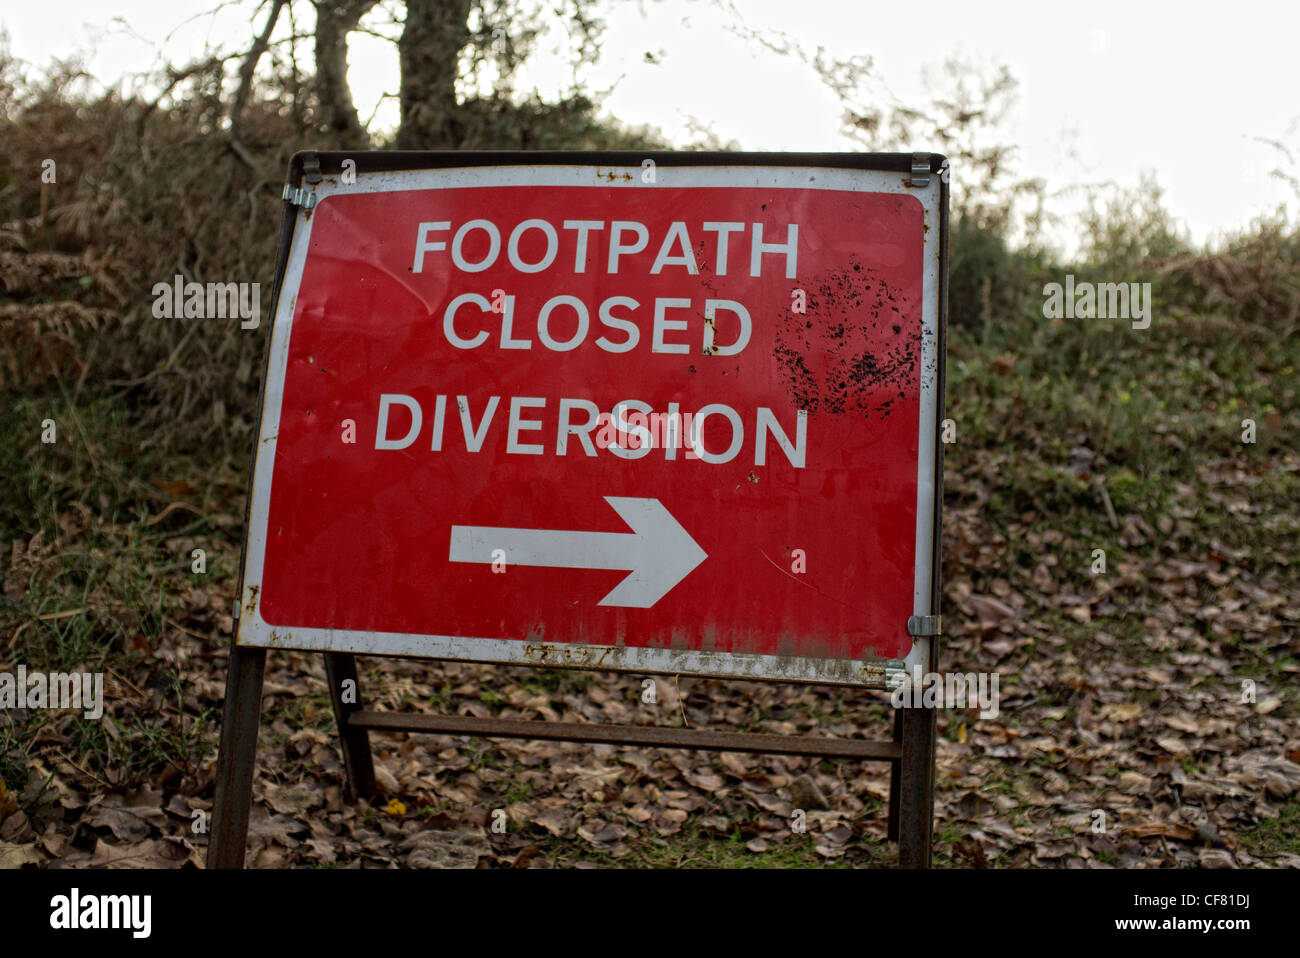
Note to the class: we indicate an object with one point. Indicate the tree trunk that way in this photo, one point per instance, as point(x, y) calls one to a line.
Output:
point(334, 19)
point(429, 49)
point(247, 69)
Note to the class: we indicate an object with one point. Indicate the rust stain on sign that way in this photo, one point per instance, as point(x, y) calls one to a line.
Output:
point(544, 653)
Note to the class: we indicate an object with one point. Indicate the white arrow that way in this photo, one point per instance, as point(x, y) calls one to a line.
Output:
point(658, 552)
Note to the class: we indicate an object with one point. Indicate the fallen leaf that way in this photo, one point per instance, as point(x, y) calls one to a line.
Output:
point(1120, 711)
point(124, 824)
point(1134, 783)
point(1215, 858)
point(16, 856)
point(838, 835)
point(153, 853)
point(988, 609)
point(555, 821)
point(1182, 832)
point(599, 833)
point(293, 799)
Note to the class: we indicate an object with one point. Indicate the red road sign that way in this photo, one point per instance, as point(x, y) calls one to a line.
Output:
point(563, 414)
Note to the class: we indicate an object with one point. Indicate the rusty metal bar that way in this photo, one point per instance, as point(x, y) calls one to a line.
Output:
point(895, 779)
point(240, 717)
point(629, 735)
point(354, 740)
point(916, 788)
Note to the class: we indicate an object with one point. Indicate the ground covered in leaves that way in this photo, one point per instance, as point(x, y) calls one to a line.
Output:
point(1147, 716)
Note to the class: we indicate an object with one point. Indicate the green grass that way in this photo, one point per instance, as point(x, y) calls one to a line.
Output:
point(15, 749)
point(693, 847)
point(1274, 835)
point(101, 583)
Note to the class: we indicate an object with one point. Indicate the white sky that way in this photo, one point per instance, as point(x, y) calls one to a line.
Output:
point(1107, 89)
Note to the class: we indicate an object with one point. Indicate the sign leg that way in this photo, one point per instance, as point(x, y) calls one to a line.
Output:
point(916, 788)
point(240, 718)
point(895, 779)
point(341, 668)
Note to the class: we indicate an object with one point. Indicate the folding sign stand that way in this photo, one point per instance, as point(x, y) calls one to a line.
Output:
point(910, 754)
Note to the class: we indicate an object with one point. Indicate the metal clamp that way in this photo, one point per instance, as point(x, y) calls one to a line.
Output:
point(300, 197)
point(311, 175)
point(920, 170)
point(895, 675)
point(923, 625)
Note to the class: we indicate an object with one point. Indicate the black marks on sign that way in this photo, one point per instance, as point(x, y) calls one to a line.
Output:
point(857, 330)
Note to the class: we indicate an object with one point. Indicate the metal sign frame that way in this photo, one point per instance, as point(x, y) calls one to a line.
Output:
point(314, 175)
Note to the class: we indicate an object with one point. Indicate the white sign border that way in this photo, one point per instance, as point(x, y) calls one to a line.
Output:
point(254, 631)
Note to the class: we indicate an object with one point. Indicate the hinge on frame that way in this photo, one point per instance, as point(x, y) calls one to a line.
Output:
point(923, 625)
point(920, 170)
point(311, 169)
